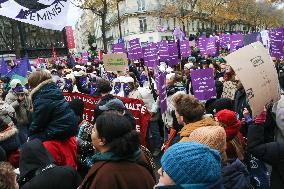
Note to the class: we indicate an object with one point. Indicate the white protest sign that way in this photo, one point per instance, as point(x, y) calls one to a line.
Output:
point(50, 14)
point(253, 65)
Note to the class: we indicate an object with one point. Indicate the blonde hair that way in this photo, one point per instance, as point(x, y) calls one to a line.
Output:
point(38, 77)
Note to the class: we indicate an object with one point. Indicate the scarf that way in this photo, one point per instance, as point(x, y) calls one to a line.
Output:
point(110, 156)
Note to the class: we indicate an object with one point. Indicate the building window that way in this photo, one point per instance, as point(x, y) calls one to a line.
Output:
point(143, 24)
point(141, 5)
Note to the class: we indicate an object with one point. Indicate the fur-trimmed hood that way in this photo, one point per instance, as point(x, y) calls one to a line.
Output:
point(8, 133)
point(36, 89)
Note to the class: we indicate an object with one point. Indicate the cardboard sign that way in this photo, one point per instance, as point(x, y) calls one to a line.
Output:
point(253, 65)
point(115, 62)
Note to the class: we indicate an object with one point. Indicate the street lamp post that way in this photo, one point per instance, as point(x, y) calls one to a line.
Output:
point(118, 18)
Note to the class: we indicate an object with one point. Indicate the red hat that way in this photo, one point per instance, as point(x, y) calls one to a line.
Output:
point(227, 117)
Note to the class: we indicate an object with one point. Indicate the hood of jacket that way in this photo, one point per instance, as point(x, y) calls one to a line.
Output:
point(236, 174)
point(46, 90)
point(8, 133)
point(187, 129)
point(33, 156)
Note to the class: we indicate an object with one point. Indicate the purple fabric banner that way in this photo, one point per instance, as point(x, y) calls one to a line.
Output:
point(203, 84)
point(173, 52)
point(185, 48)
point(236, 42)
point(224, 40)
point(202, 42)
point(135, 51)
point(163, 49)
point(150, 55)
point(161, 87)
point(118, 48)
point(276, 37)
point(85, 57)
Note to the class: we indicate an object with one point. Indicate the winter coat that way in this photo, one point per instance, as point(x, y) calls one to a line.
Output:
point(21, 108)
point(119, 173)
point(278, 110)
point(236, 176)
point(271, 153)
point(52, 117)
point(189, 128)
point(38, 169)
point(84, 141)
point(241, 102)
point(63, 152)
point(9, 139)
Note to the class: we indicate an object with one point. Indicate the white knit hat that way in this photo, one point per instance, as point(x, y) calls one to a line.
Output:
point(14, 83)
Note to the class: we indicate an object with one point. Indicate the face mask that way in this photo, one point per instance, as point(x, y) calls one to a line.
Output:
point(117, 88)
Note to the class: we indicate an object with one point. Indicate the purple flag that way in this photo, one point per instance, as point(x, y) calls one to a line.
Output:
point(178, 34)
point(277, 42)
point(118, 48)
point(22, 69)
point(163, 48)
point(173, 51)
point(203, 84)
point(85, 57)
point(185, 48)
point(135, 51)
point(224, 40)
point(161, 87)
point(236, 42)
point(4, 67)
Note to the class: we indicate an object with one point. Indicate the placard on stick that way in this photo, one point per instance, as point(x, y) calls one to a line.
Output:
point(115, 62)
point(253, 65)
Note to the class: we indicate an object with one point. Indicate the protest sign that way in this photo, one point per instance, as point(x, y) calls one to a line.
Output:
point(236, 42)
point(151, 55)
point(118, 48)
point(224, 40)
point(162, 89)
point(276, 38)
point(185, 48)
point(115, 62)
point(253, 65)
point(173, 52)
point(203, 84)
point(135, 51)
point(211, 47)
point(202, 42)
point(85, 57)
point(135, 106)
point(163, 48)
point(252, 38)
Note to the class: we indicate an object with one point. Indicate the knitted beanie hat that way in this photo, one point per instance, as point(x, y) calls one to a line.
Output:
point(227, 117)
point(212, 136)
point(192, 163)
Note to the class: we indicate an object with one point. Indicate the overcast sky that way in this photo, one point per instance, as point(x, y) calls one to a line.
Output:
point(73, 15)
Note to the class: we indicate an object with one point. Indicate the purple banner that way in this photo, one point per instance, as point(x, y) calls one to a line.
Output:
point(163, 49)
point(276, 37)
point(224, 40)
point(203, 84)
point(185, 48)
point(118, 48)
point(236, 42)
point(161, 87)
point(173, 52)
point(151, 55)
point(85, 57)
point(135, 51)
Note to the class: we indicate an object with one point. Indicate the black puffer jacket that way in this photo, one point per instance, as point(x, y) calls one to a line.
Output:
point(271, 153)
point(38, 169)
point(52, 117)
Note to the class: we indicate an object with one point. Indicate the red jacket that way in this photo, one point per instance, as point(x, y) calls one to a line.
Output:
point(63, 152)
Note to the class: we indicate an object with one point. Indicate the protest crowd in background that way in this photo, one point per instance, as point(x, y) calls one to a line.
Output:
point(204, 115)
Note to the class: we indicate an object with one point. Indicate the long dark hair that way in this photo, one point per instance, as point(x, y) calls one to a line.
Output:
point(118, 133)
